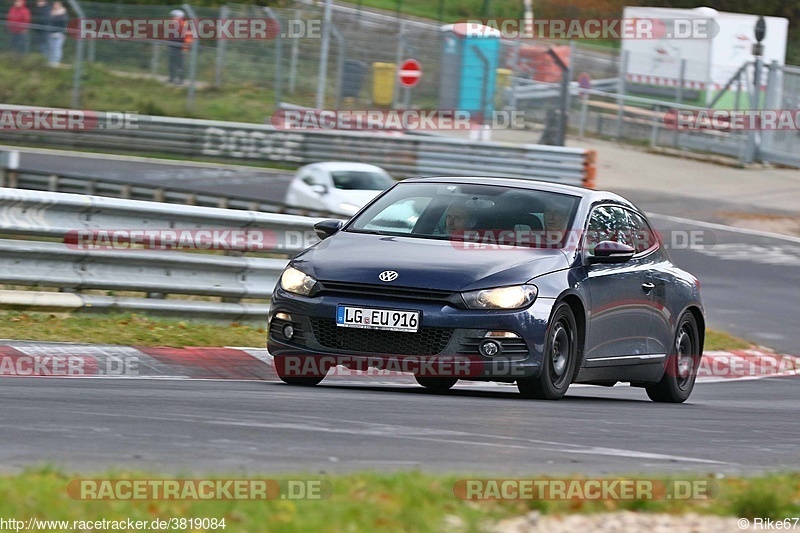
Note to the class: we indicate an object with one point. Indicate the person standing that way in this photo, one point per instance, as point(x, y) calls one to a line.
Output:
point(18, 20)
point(177, 45)
point(40, 16)
point(58, 29)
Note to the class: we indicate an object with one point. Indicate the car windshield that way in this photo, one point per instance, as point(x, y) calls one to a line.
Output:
point(487, 214)
point(361, 180)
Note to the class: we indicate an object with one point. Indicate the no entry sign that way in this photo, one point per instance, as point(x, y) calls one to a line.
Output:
point(410, 72)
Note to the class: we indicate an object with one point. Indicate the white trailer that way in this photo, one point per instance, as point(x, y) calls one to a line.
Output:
point(709, 62)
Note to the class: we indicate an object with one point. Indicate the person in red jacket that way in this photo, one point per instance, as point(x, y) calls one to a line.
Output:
point(18, 20)
point(176, 46)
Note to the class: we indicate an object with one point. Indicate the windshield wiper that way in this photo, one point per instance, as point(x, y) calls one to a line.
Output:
point(375, 232)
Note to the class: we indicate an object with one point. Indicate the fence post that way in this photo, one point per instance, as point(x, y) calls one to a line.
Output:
point(623, 78)
point(155, 58)
point(192, 62)
point(584, 114)
point(78, 67)
point(224, 13)
point(293, 60)
point(401, 44)
point(323, 55)
point(342, 45)
point(772, 99)
point(681, 81)
point(278, 58)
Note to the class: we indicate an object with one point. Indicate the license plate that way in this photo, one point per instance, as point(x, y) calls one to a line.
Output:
point(371, 318)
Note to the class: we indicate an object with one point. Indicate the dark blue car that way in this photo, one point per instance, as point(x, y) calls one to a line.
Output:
point(491, 279)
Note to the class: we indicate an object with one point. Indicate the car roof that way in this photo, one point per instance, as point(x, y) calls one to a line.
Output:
point(345, 165)
point(590, 195)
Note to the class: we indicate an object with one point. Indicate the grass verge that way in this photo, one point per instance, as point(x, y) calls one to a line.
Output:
point(28, 80)
point(140, 330)
point(126, 330)
point(405, 501)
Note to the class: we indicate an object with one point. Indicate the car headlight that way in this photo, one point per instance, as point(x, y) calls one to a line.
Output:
point(350, 208)
point(515, 297)
point(297, 282)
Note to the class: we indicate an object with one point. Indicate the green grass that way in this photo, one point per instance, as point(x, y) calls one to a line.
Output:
point(29, 81)
point(407, 501)
point(140, 330)
point(126, 330)
point(719, 340)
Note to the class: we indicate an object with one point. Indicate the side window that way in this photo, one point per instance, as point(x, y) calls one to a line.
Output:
point(643, 237)
point(608, 223)
point(313, 177)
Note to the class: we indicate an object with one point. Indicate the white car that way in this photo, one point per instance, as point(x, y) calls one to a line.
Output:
point(341, 188)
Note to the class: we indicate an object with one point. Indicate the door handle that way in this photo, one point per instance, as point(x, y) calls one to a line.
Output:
point(647, 287)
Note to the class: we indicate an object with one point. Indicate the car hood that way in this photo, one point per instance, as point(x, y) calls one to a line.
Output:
point(425, 263)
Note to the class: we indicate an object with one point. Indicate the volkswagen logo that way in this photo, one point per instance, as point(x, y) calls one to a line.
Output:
point(388, 275)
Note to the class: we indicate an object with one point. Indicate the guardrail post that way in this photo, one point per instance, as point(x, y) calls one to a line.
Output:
point(52, 184)
point(9, 162)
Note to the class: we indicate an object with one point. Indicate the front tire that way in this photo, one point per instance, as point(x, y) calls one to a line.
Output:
point(436, 384)
point(291, 378)
point(683, 360)
point(560, 356)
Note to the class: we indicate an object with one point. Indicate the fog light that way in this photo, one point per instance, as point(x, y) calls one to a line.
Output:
point(288, 332)
point(489, 348)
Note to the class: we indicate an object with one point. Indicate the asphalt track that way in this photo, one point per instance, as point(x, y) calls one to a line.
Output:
point(749, 284)
point(237, 426)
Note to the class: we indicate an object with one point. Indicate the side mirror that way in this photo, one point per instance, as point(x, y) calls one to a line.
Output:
point(326, 228)
point(611, 252)
point(320, 189)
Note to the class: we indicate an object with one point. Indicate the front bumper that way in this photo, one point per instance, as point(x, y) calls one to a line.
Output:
point(446, 345)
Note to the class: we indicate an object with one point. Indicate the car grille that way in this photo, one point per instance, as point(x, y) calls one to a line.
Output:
point(360, 289)
point(427, 341)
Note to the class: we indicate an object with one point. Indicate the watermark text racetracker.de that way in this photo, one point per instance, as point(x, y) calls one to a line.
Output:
point(199, 489)
point(44, 119)
point(395, 120)
point(248, 240)
point(69, 365)
point(639, 28)
point(585, 489)
point(202, 28)
point(733, 120)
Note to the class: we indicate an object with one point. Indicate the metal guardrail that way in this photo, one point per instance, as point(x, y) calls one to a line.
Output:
point(44, 255)
point(526, 89)
point(44, 181)
point(402, 155)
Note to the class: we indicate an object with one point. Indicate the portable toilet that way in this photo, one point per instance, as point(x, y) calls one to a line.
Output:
point(470, 58)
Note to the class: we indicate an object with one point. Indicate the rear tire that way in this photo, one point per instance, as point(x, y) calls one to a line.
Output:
point(560, 356)
point(436, 384)
point(680, 371)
